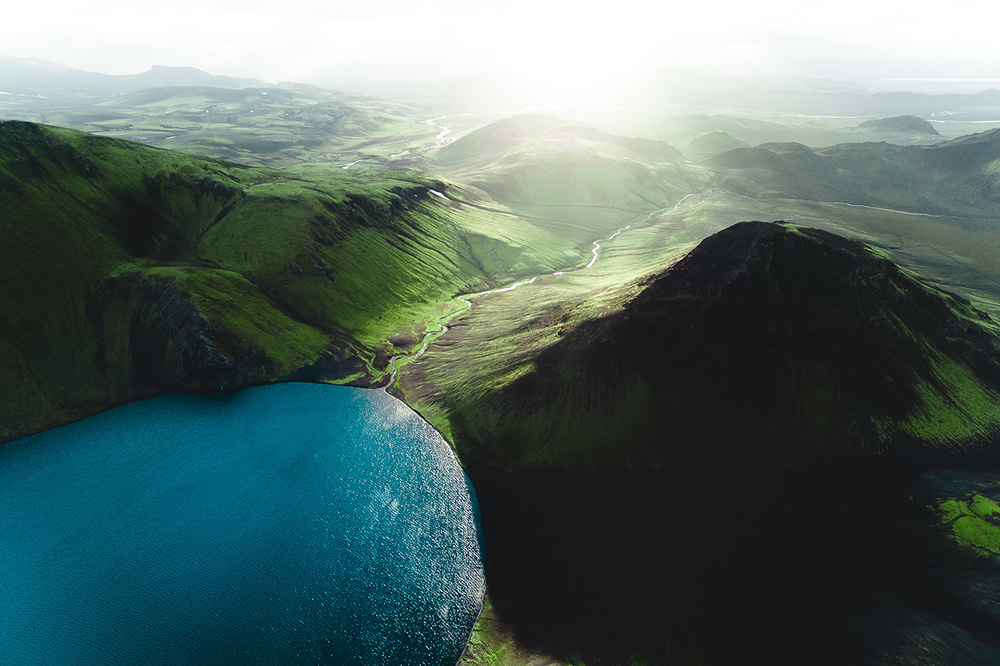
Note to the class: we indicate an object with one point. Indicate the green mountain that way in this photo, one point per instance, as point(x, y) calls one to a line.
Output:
point(768, 451)
point(128, 271)
point(568, 178)
point(954, 178)
point(718, 470)
point(712, 143)
point(856, 355)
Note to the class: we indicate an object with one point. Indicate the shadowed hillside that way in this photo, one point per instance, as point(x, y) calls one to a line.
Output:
point(718, 471)
point(818, 339)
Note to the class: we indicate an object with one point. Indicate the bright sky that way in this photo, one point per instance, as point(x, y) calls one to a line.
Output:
point(862, 40)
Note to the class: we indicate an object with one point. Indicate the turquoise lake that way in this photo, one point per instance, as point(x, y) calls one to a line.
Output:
point(287, 524)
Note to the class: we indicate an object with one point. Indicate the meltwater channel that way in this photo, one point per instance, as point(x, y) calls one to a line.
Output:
point(287, 524)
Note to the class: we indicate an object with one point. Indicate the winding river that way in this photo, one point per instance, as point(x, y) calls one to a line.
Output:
point(466, 299)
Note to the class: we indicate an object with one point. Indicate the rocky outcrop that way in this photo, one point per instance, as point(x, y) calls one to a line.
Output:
point(152, 338)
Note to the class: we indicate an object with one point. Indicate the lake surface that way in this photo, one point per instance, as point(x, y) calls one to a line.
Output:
point(287, 524)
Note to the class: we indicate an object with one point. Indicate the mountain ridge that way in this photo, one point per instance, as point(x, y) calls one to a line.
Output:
point(34, 76)
point(953, 178)
point(129, 271)
point(864, 329)
point(733, 451)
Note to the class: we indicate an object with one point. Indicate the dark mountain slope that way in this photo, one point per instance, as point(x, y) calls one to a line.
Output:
point(127, 271)
point(813, 346)
point(719, 472)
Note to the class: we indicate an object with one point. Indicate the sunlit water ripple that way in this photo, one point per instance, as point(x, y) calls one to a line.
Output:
point(288, 524)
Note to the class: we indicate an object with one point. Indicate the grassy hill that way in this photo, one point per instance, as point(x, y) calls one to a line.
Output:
point(933, 208)
point(955, 178)
point(716, 468)
point(712, 143)
point(129, 271)
point(570, 179)
point(251, 123)
point(858, 355)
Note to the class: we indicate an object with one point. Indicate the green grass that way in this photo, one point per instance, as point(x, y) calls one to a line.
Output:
point(573, 180)
point(253, 126)
point(974, 522)
point(954, 407)
point(234, 304)
point(566, 418)
point(283, 266)
point(492, 643)
point(497, 341)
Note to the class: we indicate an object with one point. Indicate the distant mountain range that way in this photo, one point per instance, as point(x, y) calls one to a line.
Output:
point(680, 91)
point(674, 90)
point(41, 78)
point(958, 177)
point(190, 110)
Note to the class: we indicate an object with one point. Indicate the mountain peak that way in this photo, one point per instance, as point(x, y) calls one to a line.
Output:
point(800, 311)
point(814, 346)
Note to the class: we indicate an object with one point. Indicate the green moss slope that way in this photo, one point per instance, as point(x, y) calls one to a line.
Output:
point(571, 179)
point(813, 345)
point(127, 270)
point(951, 178)
point(723, 445)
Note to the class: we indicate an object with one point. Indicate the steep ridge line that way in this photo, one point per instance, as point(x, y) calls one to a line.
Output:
point(467, 303)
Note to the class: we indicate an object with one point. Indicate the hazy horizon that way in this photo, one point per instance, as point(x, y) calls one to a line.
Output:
point(891, 48)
